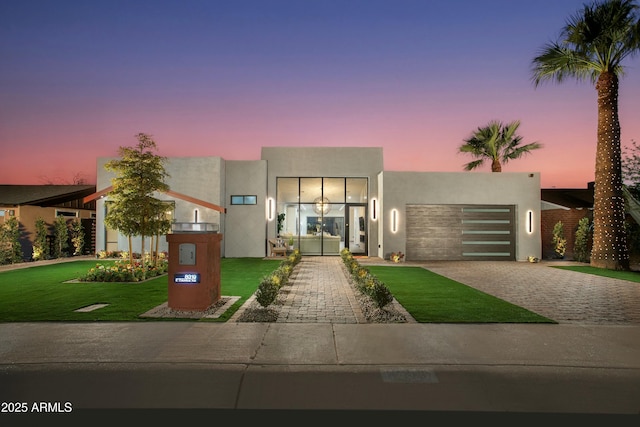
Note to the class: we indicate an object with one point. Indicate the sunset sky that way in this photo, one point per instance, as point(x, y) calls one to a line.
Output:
point(78, 79)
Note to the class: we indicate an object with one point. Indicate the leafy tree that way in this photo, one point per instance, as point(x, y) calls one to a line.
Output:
point(5, 245)
point(14, 233)
point(60, 236)
point(497, 143)
point(132, 209)
point(40, 246)
point(10, 248)
point(593, 45)
point(77, 236)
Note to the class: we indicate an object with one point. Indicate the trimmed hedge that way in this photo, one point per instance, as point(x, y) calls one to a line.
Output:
point(271, 283)
point(366, 283)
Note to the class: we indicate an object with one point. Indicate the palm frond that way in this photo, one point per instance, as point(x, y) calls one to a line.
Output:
point(497, 142)
point(595, 40)
point(473, 165)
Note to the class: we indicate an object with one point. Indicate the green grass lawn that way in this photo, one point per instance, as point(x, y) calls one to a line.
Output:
point(43, 293)
point(631, 276)
point(431, 298)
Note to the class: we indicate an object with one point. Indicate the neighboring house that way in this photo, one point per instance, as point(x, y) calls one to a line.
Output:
point(341, 197)
point(30, 202)
point(568, 205)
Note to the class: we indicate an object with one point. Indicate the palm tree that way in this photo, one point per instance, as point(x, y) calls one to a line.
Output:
point(592, 45)
point(496, 142)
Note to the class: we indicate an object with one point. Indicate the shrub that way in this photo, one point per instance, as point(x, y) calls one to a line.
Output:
point(77, 236)
point(122, 271)
point(581, 251)
point(10, 248)
point(40, 245)
point(365, 282)
point(267, 291)
point(270, 284)
point(559, 242)
point(61, 237)
point(379, 293)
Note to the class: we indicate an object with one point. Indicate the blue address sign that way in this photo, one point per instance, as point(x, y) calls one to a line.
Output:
point(186, 278)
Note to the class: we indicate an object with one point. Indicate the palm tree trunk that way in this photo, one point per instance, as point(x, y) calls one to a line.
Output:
point(496, 166)
point(609, 235)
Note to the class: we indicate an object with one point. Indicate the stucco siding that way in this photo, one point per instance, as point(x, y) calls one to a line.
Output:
point(246, 224)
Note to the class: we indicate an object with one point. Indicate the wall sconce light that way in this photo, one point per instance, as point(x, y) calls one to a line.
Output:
point(374, 209)
point(394, 220)
point(195, 215)
point(529, 221)
point(270, 208)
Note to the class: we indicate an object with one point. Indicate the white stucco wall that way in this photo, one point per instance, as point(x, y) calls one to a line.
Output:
point(245, 228)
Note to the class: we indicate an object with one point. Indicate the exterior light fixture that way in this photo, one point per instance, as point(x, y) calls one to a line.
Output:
point(270, 208)
point(374, 209)
point(394, 220)
point(529, 221)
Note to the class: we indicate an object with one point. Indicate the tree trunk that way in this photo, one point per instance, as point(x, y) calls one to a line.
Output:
point(130, 253)
point(143, 264)
point(156, 255)
point(609, 235)
point(496, 166)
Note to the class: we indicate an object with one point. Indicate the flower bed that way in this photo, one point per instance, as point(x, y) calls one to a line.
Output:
point(123, 271)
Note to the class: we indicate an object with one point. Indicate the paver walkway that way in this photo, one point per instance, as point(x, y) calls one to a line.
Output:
point(320, 293)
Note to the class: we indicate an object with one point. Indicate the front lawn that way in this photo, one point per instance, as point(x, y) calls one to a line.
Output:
point(431, 298)
point(43, 294)
point(631, 276)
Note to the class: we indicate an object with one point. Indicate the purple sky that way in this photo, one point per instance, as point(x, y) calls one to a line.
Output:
point(78, 79)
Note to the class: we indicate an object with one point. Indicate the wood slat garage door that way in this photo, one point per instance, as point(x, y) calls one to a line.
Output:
point(460, 232)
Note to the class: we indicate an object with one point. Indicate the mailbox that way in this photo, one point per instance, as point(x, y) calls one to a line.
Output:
point(187, 254)
point(194, 266)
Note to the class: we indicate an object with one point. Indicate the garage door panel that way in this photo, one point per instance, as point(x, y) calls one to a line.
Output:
point(458, 232)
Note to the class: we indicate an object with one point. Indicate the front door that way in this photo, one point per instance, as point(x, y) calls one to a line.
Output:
point(356, 229)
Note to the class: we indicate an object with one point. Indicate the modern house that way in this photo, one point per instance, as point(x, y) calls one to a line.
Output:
point(30, 202)
point(330, 198)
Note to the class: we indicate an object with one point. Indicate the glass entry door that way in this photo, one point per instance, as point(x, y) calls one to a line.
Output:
point(312, 213)
point(356, 229)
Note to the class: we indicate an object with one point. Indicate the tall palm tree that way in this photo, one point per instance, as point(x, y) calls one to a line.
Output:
point(592, 45)
point(496, 142)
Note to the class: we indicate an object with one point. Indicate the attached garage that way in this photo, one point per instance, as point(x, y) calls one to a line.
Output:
point(461, 232)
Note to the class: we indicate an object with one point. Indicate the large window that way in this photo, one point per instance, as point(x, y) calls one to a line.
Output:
point(314, 211)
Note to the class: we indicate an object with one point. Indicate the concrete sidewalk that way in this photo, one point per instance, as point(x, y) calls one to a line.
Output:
point(426, 367)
